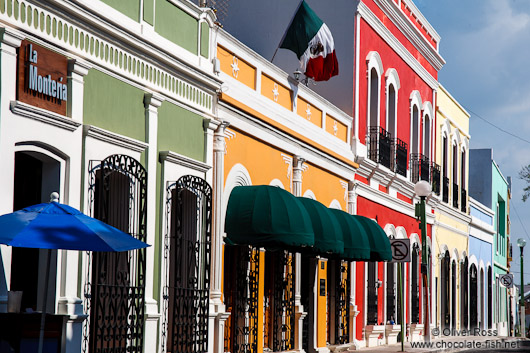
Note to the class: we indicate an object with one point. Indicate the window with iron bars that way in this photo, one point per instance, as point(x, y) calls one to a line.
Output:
point(401, 150)
point(419, 167)
point(380, 142)
point(455, 195)
point(445, 189)
point(435, 176)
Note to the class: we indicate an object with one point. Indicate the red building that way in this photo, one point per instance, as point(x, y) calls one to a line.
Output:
point(395, 81)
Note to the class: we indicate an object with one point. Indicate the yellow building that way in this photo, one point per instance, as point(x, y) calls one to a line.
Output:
point(451, 228)
point(275, 131)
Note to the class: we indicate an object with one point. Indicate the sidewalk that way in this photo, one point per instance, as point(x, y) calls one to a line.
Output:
point(450, 344)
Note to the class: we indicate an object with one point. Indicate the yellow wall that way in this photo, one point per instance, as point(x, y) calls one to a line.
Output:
point(326, 187)
point(268, 86)
point(341, 129)
point(246, 73)
point(321, 305)
point(263, 162)
point(316, 114)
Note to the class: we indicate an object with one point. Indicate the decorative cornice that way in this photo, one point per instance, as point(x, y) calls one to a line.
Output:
point(42, 115)
point(11, 37)
point(450, 228)
point(114, 138)
point(412, 33)
point(399, 48)
point(455, 214)
point(175, 158)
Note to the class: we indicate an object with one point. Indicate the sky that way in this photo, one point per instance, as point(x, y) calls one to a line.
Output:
point(486, 46)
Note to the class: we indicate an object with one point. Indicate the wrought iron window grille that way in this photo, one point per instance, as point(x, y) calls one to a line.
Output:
point(435, 175)
point(342, 301)
point(401, 153)
point(455, 195)
point(187, 246)
point(463, 201)
point(445, 190)
point(379, 146)
point(415, 290)
point(114, 286)
point(371, 315)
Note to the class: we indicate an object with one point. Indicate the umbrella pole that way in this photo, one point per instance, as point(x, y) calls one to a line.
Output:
point(45, 298)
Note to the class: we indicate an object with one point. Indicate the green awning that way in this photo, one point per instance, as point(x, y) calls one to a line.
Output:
point(267, 216)
point(328, 233)
point(379, 243)
point(356, 243)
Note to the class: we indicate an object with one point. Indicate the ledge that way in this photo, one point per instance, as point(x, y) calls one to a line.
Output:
point(114, 138)
point(172, 157)
point(44, 116)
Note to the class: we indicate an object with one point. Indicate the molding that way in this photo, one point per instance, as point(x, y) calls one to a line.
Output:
point(169, 69)
point(113, 138)
point(496, 264)
point(44, 116)
point(481, 237)
point(457, 215)
point(11, 37)
point(452, 229)
point(265, 132)
point(452, 122)
point(175, 158)
point(399, 48)
point(412, 33)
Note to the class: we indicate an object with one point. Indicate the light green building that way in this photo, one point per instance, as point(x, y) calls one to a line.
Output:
point(131, 142)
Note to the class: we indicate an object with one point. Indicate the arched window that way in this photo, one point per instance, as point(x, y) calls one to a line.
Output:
point(427, 136)
point(391, 112)
point(373, 105)
point(455, 175)
point(463, 199)
point(445, 169)
point(415, 137)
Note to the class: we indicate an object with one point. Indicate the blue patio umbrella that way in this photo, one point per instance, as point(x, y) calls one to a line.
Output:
point(57, 226)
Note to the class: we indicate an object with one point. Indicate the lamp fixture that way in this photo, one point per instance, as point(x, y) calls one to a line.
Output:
point(521, 242)
point(422, 188)
point(297, 74)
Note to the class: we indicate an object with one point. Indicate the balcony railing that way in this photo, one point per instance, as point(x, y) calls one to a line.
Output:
point(435, 175)
point(380, 146)
point(419, 167)
point(455, 195)
point(401, 149)
point(463, 203)
point(445, 189)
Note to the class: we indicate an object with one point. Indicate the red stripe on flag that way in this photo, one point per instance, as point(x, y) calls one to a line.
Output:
point(322, 68)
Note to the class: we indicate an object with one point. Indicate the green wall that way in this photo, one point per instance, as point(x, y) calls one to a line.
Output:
point(113, 105)
point(149, 14)
point(130, 8)
point(181, 131)
point(176, 25)
point(205, 39)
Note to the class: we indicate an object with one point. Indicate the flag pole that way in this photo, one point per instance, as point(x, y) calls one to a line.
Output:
point(285, 33)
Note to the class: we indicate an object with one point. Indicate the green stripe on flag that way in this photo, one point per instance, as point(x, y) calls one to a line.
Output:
point(303, 28)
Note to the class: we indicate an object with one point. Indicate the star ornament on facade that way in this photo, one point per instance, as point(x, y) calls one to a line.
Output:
point(235, 67)
point(308, 112)
point(275, 92)
point(335, 128)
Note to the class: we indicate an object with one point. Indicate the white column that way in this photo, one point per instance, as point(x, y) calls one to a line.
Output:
point(69, 300)
point(352, 209)
point(217, 308)
point(10, 41)
point(151, 102)
point(300, 314)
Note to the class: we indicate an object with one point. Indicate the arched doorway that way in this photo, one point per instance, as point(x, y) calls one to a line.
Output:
point(490, 299)
point(36, 176)
point(391, 293)
point(445, 315)
point(473, 292)
point(453, 294)
point(464, 294)
point(415, 289)
point(481, 300)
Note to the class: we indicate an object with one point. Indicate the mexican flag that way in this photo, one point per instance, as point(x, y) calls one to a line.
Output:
point(310, 39)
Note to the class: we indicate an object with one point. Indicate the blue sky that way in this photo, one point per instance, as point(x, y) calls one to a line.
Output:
point(486, 44)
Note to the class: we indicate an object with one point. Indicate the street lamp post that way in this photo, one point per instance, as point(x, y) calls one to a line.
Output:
point(423, 189)
point(521, 243)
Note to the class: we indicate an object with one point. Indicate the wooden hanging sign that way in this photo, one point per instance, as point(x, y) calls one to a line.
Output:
point(42, 78)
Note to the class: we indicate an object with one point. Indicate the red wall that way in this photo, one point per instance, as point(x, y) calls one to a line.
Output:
point(384, 216)
point(409, 81)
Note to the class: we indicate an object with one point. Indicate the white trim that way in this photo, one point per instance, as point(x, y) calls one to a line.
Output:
point(176, 158)
point(412, 33)
point(451, 228)
point(451, 121)
point(415, 101)
point(396, 45)
point(277, 183)
point(335, 204)
point(43, 115)
point(309, 194)
point(392, 78)
point(113, 138)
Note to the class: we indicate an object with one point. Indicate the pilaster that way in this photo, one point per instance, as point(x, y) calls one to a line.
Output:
point(217, 307)
point(151, 103)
